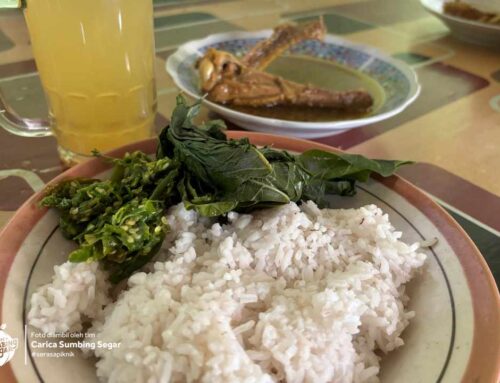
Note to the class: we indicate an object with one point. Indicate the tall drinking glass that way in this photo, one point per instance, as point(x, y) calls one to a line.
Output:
point(96, 63)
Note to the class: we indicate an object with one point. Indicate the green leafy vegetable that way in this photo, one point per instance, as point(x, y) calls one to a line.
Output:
point(327, 165)
point(119, 221)
point(220, 175)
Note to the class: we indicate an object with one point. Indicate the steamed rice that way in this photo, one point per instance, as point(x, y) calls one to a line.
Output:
point(292, 293)
point(78, 291)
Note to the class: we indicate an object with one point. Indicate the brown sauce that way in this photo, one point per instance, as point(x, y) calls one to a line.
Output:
point(320, 73)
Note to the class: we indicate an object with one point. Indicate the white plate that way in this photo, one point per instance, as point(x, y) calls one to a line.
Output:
point(468, 30)
point(398, 81)
point(453, 338)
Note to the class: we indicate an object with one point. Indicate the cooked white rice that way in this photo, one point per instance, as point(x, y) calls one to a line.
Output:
point(293, 294)
point(78, 292)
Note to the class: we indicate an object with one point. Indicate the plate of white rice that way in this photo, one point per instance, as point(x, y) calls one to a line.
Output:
point(380, 287)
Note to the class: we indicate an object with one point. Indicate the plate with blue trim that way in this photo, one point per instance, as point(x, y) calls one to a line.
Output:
point(393, 84)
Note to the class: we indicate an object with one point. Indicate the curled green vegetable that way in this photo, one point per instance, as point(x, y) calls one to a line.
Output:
point(118, 221)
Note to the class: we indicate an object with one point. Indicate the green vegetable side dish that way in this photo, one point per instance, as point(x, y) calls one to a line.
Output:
point(120, 221)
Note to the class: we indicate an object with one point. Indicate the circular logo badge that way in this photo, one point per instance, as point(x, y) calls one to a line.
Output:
point(8, 346)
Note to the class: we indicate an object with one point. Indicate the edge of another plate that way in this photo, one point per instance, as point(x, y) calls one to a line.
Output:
point(471, 31)
point(484, 361)
point(175, 59)
point(430, 6)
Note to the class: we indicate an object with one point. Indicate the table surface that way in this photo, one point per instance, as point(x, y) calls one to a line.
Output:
point(452, 130)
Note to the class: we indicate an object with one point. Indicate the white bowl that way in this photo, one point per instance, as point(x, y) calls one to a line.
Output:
point(398, 81)
point(468, 30)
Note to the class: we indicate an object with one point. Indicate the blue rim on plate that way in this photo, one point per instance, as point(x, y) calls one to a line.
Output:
point(397, 79)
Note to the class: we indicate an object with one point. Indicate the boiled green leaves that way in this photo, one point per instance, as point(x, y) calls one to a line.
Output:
point(220, 174)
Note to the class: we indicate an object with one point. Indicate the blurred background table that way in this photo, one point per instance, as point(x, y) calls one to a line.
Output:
point(452, 130)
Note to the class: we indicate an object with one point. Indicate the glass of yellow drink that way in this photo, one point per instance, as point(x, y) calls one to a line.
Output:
point(96, 63)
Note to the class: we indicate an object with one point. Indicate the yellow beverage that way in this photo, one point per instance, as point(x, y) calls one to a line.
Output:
point(96, 64)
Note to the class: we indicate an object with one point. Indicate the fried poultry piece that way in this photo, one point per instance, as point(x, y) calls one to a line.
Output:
point(283, 37)
point(227, 80)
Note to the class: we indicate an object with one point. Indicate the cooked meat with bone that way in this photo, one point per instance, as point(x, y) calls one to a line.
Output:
point(283, 37)
point(228, 80)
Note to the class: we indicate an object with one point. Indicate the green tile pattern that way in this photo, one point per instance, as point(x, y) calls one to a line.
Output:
point(167, 2)
point(5, 42)
point(410, 58)
point(184, 18)
point(496, 76)
point(188, 27)
point(487, 242)
point(25, 96)
point(337, 24)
